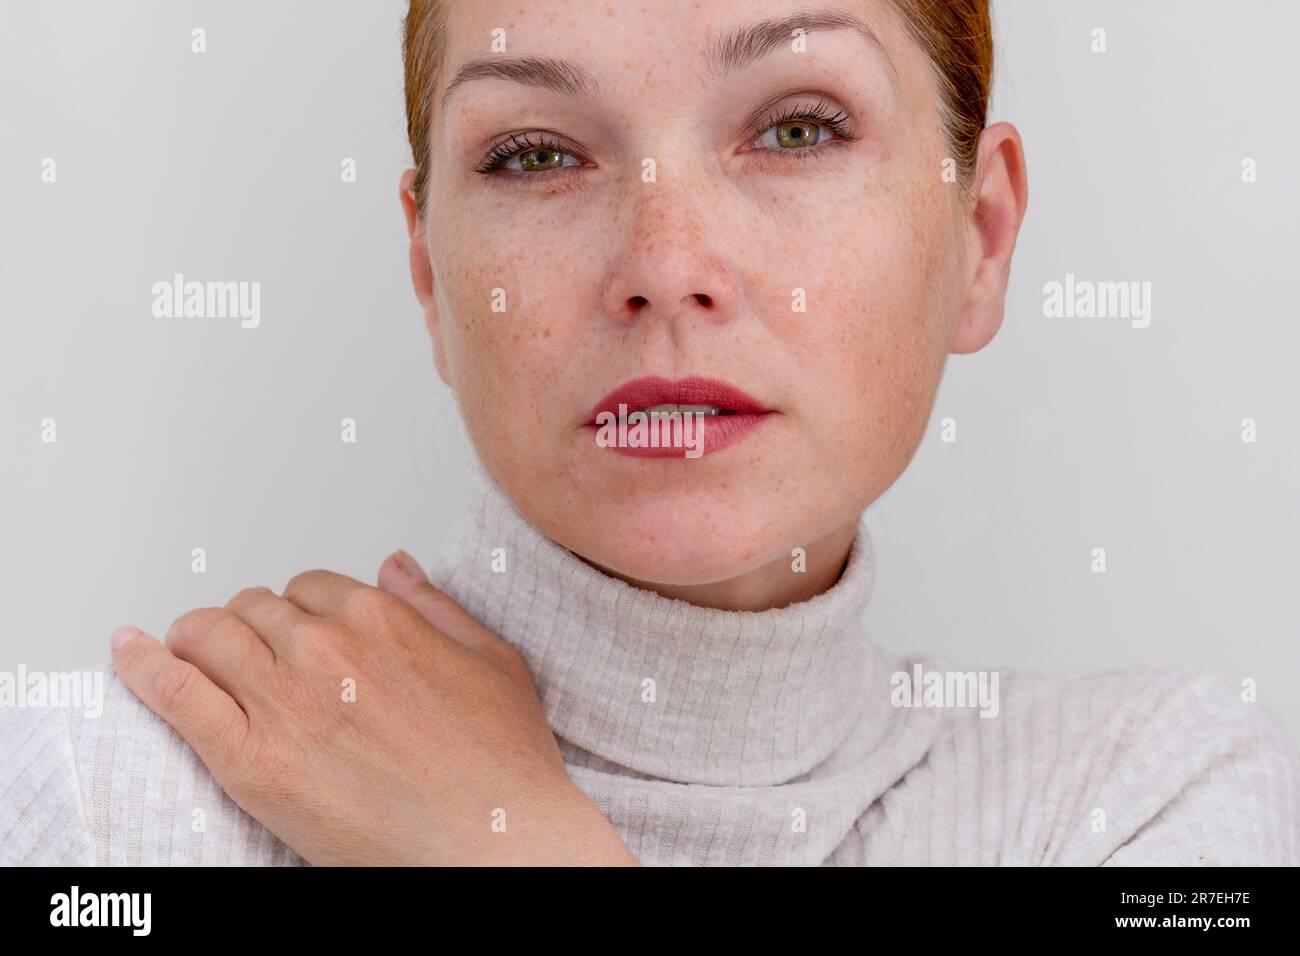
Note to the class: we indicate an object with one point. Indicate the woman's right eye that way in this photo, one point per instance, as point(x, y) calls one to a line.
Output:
point(520, 156)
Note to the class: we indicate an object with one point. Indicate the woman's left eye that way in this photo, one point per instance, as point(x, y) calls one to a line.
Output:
point(799, 130)
point(796, 134)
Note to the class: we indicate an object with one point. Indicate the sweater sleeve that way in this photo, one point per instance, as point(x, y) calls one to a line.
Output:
point(42, 818)
point(115, 785)
point(1210, 779)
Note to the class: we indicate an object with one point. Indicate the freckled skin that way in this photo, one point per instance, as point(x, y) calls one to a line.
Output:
point(896, 270)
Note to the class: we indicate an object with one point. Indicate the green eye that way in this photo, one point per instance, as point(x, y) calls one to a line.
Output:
point(802, 126)
point(523, 156)
point(797, 134)
point(539, 160)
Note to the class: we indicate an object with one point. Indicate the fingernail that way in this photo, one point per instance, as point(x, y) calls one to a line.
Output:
point(410, 567)
point(123, 634)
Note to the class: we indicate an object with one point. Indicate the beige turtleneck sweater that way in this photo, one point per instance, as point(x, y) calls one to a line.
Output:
point(720, 737)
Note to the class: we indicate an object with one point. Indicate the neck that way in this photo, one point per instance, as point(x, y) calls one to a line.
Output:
point(638, 682)
point(786, 580)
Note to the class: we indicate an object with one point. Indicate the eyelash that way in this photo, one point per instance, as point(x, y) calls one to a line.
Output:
point(517, 144)
point(820, 114)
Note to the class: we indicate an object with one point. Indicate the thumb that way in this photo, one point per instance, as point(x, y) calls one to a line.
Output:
point(401, 576)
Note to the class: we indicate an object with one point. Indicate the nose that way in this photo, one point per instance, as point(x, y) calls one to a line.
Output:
point(671, 269)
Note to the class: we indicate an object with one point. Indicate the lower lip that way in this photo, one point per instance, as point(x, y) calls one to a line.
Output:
point(720, 431)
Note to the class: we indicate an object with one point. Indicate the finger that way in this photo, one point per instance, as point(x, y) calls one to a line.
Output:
point(226, 650)
point(323, 593)
point(401, 576)
point(206, 716)
point(270, 616)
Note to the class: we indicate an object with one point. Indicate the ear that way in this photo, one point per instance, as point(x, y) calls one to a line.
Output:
point(421, 268)
point(1002, 193)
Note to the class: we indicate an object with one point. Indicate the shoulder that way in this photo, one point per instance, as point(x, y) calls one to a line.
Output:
point(1203, 774)
point(102, 779)
point(42, 819)
point(1154, 765)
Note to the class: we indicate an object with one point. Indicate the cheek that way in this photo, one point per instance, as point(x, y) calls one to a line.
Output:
point(511, 318)
point(873, 339)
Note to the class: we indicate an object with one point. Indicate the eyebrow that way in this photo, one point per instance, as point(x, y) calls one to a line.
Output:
point(747, 44)
point(728, 55)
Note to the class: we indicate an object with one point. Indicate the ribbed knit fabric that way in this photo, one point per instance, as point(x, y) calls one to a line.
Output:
point(719, 738)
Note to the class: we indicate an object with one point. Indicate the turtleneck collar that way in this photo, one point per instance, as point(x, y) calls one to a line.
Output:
point(658, 687)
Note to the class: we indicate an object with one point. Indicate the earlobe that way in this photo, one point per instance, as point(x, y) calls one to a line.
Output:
point(994, 223)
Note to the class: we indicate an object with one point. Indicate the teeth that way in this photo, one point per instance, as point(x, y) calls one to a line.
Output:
point(670, 408)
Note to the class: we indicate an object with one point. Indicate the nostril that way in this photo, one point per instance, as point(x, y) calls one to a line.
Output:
point(703, 299)
point(637, 301)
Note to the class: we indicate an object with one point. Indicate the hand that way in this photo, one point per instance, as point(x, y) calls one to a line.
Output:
point(371, 726)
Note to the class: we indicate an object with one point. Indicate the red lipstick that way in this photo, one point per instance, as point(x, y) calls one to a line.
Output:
point(738, 414)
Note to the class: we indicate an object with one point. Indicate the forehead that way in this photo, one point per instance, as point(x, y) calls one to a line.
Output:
point(593, 48)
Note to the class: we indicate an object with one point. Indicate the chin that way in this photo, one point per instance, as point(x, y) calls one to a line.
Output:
point(676, 539)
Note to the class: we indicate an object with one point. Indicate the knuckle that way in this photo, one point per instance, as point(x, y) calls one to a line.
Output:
point(248, 595)
point(194, 625)
point(174, 686)
point(314, 645)
point(305, 579)
point(310, 632)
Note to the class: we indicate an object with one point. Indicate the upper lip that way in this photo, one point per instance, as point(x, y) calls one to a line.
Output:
point(642, 393)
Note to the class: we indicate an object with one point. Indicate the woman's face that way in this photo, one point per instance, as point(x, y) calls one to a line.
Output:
point(687, 200)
